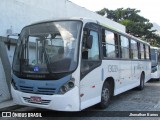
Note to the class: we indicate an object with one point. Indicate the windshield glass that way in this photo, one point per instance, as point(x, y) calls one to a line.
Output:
point(48, 48)
point(154, 57)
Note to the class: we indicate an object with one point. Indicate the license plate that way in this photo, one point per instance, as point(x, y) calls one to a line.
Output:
point(36, 99)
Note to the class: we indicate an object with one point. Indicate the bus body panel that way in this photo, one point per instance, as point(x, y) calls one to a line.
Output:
point(155, 75)
point(90, 88)
point(54, 102)
point(91, 84)
point(147, 70)
point(125, 74)
point(136, 71)
point(60, 102)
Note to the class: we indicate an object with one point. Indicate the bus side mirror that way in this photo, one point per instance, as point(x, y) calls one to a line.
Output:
point(8, 42)
point(89, 42)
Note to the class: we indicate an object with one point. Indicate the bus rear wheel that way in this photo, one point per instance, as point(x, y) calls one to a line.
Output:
point(141, 86)
point(105, 96)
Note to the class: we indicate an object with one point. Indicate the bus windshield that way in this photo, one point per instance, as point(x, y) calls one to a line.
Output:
point(154, 57)
point(48, 48)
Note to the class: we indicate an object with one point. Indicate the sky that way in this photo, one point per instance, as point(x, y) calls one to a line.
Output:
point(150, 9)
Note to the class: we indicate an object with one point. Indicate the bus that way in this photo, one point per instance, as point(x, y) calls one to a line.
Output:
point(155, 62)
point(72, 64)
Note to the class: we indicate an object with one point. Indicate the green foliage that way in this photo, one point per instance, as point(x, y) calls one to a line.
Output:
point(136, 25)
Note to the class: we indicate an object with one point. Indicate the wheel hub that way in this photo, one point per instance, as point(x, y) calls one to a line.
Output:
point(105, 94)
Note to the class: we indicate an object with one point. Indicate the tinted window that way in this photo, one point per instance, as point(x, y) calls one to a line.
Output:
point(93, 53)
point(109, 47)
point(142, 51)
point(153, 54)
point(90, 57)
point(147, 52)
point(134, 49)
point(124, 47)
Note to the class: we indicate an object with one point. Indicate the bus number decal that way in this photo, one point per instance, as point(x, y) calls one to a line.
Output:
point(112, 68)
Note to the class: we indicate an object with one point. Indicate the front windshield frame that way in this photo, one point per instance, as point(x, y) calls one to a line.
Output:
point(78, 44)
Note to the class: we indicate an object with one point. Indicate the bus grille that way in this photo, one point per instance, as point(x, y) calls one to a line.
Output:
point(43, 91)
point(43, 102)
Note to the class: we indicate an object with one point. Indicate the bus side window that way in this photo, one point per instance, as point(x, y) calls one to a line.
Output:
point(90, 57)
point(110, 49)
point(139, 50)
point(134, 49)
point(158, 56)
point(142, 51)
point(147, 52)
point(124, 41)
point(144, 47)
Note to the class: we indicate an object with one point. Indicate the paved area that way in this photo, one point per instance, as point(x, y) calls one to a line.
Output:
point(134, 100)
point(145, 101)
point(5, 104)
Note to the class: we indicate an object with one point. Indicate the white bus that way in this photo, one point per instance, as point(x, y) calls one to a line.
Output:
point(155, 62)
point(72, 64)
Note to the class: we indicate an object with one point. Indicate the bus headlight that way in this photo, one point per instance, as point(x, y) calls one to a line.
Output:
point(14, 84)
point(67, 86)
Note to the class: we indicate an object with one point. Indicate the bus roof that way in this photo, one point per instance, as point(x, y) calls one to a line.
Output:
point(61, 19)
point(85, 20)
point(154, 48)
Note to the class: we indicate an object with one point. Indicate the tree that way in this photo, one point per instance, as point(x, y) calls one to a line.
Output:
point(136, 25)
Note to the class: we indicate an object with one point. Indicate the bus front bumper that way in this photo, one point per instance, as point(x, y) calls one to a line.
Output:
point(67, 102)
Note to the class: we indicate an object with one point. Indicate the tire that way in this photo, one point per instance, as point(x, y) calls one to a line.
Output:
point(105, 96)
point(158, 79)
point(141, 86)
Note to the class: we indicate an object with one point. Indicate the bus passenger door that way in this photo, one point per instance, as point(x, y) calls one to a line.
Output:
point(90, 89)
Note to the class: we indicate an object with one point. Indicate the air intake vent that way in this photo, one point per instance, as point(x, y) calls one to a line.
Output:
point(40, 90)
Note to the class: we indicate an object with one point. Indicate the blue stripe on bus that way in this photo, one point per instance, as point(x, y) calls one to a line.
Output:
point(46, 87)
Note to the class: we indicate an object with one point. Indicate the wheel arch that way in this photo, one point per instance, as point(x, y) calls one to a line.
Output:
point(111, 82)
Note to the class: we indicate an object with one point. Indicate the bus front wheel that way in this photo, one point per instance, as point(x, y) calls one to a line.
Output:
point(105, 96)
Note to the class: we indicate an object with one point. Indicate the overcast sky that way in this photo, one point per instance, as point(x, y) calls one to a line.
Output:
point(150, 9)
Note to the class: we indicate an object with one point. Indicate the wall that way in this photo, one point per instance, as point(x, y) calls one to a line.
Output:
point(4, 91)
point(5, 72)
point(15, 14)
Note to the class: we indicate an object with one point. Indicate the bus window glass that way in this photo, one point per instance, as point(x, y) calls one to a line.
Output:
point(153, 55)
point(147, 52)
point(110, 45)
point(134, 49)
point(93, 53)
point(90, 57)
point(142, 50)
point(124, 47)
point(109, 37)
point(158, 56)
